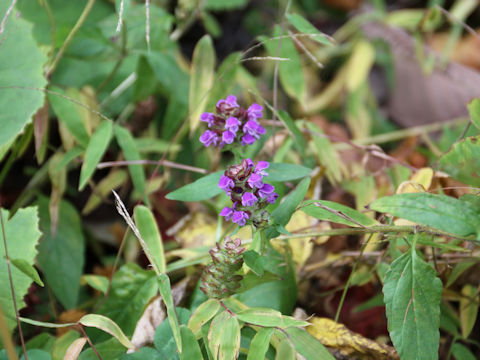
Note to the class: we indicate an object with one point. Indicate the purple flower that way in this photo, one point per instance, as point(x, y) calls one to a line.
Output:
point(228, 137)
point(232, 124)
point(265, 190)
point(209, 137)
point(248, 199)
point(240, 217)
point(249, 162)
point(227, 213)
point(262, 165)
point(255, 181)
point(248, 140)
point(227, 104)
point(271, 198)
point(208, 118)
point(253, 128)
point(226, 183)
point(255, 111)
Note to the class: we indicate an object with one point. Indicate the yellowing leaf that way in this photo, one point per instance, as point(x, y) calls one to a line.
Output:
point(418, 182)
point(349, 343)
point(468, 309)
point(108, 325)
point(359, 65)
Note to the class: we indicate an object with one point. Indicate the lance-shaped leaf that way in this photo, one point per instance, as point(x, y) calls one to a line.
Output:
point(166, 292)
point(412, 295)
point(203, 66)
point(337, 213)
point(203, 314)
point(304, 26)
point(224, 337)
point(259, 345)
point(191, 349)
point(269, 318)
point(107, 325)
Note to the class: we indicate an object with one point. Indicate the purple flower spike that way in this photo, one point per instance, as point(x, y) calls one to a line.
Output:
point(248, 140)
point(255, 111)
point(253, 128)
point(248, 199)
point(209, 137)
point(265, 190)
point(227, 213)
point(228, 137)
point(226, 183)
point(271, 198)
point(208, 118)
point(255, 181)
point(262, 165)
point(232, 124)
point(240, 217)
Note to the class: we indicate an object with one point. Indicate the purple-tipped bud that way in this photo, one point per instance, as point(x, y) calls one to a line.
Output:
point(255, 111)
point(248, 199)
point(228, 137)
point(228, 104)
point(240, 217)
point(209, 137)
point(232, 124)
point(255, 181)
point(207, 117)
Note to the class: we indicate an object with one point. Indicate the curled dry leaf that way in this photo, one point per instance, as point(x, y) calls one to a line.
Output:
point(348, 343)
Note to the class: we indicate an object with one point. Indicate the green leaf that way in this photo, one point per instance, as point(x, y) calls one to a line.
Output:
point(268, 318)
point(62, 343)
point(145, 353)
point(27, 269)
point(307, 346)
point(292, 128)
point(219, 5)
point(201, 189)
point(304, 26)
point(36, 354)
point(67, 113)
point(255, 261)
point(22, 235)
point(97, 282)
point(279, 172)
point(108, 350)
point(412, 294)
point(225, 80)
point(224, 337)
point(327, 155)
point(203, 314)
point(462, 352)
point(107, 325)
point(201, 78)
point(148, 228)
point(146, 82)
point(61, 257)
point(103, 189)
point(462, 162)
point(97, 146)
point(285, 350)
point(74, 350)
point(131, 290)
point(260, 343)
point(438, 211)
point(163, 338)
point(322, 213)
point(474, 109)
point(191, 349)
point(69, 156)
point(21, 66)
point(130, 152)
point(166, 292)
point(290, 71)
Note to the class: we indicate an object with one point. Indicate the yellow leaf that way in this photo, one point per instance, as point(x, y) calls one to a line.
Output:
point(468, 309)
point(359, 65)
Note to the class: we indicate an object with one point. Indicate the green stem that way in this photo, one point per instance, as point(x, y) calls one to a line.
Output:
point(70, 36)
point(6, 338)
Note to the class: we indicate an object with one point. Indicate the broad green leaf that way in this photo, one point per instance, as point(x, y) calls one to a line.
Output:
point(251, 280)
point(337, 213)
point(290, 71)
point(20, 67)
point(201, 79)
point(97, 282)
point(224, 337)
point(67, 113)
point(279, 172)
point(62, 343)
point(458, 270)
point(307, 346)
point(131, 290)
point(163, 338)
point(166, 292)
point(201, 189)
point(145, 353)
point(107, 325)
point(462, 162)
point(75, 348)
point(22, 235)
point(412, 295)
point(268, 318)
point(474, 109)
point(260, 343)
point(61, 257)
point(27, 269)
point(255, 261)
point(130, 152)
point(327, 155)
point(203, 314)
point(285, 350)
point(97, 146)
point(36, 354)
point(146, 82)
point(110, 349)
point(191, 349)
point(304, 26)
point(148, 228)
point(468, 309)
point(42, 341)
point(438, 211)
point(462, 352)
